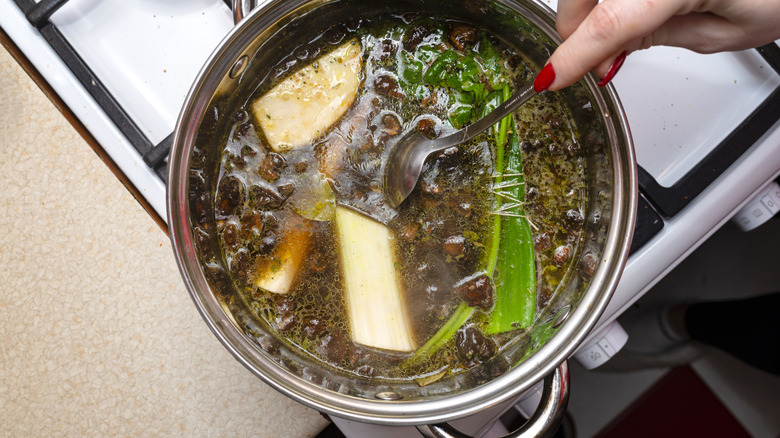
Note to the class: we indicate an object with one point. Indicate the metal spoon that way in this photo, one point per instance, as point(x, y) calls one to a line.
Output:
point(405, 162)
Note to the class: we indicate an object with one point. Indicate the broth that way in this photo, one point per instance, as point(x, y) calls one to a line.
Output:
point(445, 236)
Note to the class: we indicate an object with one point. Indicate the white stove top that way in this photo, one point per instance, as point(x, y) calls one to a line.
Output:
point(679, 104)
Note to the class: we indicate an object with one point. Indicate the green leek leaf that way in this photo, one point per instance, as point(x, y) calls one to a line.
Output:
point(515, 275)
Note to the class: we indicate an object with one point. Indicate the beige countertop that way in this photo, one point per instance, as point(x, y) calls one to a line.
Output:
point(98, 335)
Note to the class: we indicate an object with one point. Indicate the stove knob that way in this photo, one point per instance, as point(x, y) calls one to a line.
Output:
point(602, 347)
point(760, 209)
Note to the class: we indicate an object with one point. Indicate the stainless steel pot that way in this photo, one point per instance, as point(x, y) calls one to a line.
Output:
point(247, 53)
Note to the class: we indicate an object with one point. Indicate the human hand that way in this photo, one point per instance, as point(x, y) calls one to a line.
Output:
point(597, 36)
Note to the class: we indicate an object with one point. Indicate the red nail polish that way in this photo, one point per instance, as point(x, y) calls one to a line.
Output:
point(544, 79)
point(613, 69)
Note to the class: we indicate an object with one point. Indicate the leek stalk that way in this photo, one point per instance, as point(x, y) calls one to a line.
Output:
point(459, 317)
point(515, 264)
point(512, 265)
point(377, 315)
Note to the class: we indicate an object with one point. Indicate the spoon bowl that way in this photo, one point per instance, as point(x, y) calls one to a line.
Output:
point(406, 161)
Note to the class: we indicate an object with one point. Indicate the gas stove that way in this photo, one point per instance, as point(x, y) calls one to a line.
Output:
point(705, 127)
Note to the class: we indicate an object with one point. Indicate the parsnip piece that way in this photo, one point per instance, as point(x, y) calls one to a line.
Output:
point(304, 105)
point(376, 310)
point(277, 273)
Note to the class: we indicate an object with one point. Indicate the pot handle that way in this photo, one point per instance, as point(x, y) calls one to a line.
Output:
point(242, 8)
point(544, 422)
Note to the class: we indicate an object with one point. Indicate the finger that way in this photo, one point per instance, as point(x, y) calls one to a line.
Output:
point(700, 32)
point(710, 33)
point(612, 70)
point(612, 27)
point(605, 66)
point(571, 13)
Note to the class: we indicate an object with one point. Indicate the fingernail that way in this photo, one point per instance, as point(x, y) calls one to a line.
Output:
point(544, 79)
point(613, 69)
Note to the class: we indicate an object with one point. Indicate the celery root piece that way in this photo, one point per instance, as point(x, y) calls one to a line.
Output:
point(375, 305)
point(308, 102)
point(277, 273)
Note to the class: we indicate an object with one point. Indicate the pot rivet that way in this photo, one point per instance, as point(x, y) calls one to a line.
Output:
point(388, 395)
point(238, 67)
point(562, 316)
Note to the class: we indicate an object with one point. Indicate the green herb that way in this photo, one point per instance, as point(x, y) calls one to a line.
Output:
point(462, 108)
point(473, 79)
point(441, 68)
point(410, 70)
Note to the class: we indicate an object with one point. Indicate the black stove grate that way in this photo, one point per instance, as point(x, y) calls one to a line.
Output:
point(655, 201)
point(38, 14)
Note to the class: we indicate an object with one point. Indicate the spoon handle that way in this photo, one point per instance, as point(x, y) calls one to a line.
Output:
point(501, 111)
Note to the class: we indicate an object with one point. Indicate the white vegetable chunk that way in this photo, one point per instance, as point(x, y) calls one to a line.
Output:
point(306, 104)
point(377, 314)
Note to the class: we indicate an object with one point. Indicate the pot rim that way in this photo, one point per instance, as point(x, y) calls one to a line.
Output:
point(400, 412)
